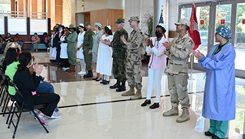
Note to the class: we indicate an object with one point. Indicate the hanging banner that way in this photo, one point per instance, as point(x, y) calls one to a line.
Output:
point(243, 21)
point(222, 21)
point(202, 22)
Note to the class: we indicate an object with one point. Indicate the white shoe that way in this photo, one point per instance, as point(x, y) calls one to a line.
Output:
point(41, 118)
point(82, 72)
point(56, 115)
point(65, 68)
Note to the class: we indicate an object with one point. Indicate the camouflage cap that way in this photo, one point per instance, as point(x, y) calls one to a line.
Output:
point(120, 20)
point(183, 21)
point(133, 18)
point(87, 23)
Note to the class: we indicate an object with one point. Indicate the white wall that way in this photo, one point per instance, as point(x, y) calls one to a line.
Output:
point(137, 8)
point(91, 5)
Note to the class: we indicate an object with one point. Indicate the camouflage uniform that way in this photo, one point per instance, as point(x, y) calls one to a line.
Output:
point(119, 55)
point(135, 51)
point(134, 57)
point(177, 70)
point(119, 58)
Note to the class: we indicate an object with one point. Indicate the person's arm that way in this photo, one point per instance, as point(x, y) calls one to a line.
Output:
point(137, 42)
point(183, 53)
point(72, 38)
point(91, 40)
point(227, 58)
point(158, 52)
point(30, 81)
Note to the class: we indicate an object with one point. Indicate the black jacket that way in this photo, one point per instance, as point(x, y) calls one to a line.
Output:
point(26, 84)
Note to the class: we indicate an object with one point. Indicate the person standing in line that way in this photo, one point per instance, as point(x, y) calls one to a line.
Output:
point(104, 65)
point(119, 55)
point(57, 42)
point(136, 51)
point(87, 49)
point(156, 65)
point(80, 55)
point(71, 48)
point(63, 50)
point(178, 53)
point(219, 104)
point(96, 41)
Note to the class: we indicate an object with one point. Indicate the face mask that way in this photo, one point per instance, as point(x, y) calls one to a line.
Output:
point(158, 34)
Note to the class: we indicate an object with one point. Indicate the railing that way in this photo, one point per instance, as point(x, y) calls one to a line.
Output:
point(23, 14)
point(39, 15)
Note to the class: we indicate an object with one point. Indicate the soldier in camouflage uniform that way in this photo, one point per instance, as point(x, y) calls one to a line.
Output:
point(135, 53)
point(87, 50)
point(119, 56)
point(178, 52)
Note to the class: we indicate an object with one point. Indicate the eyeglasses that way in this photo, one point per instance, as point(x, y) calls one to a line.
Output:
point(32, 63)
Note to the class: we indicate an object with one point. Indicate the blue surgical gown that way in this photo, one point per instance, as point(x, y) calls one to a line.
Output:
point(219, 93)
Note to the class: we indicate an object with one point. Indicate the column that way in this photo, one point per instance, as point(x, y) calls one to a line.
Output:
point(158, 4)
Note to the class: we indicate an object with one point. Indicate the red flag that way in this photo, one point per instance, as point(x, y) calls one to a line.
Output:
point(193, 31)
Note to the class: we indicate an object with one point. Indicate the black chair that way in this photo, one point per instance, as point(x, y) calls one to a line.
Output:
point(19, 108)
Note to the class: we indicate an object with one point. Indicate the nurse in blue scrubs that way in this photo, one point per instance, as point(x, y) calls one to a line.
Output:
point(219, 94)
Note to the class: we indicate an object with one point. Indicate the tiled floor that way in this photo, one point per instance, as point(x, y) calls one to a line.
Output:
point(93, 111)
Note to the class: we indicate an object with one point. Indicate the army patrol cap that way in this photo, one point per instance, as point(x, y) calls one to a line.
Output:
point(120, 20)
point(134, 18)
point(71, 26)
point(183, 22)
point(87, 23)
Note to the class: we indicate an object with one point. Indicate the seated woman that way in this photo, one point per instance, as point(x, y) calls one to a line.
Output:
point(35, 40)
point(27, 82)
point(10, 65)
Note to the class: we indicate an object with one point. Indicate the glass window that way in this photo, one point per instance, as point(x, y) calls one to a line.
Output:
point(240, 36)
point(5, 6)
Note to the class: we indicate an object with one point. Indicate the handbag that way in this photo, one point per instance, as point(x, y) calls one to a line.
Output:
point(52, 53)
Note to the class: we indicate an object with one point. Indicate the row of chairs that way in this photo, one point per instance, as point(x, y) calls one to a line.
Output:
point(15, 109)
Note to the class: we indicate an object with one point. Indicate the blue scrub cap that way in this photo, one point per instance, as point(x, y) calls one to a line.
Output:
point(224, 32)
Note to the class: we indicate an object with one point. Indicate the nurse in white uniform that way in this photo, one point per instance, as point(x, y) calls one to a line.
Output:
point(80, 55)
point(104, 59)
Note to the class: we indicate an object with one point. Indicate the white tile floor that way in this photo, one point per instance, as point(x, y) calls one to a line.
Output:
point(86, 118)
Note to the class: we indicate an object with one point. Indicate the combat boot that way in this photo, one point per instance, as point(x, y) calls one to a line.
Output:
point(185, 116)
point(130, 92)
point(138, 95)
point(174, 111)
point(116, 85)
point(88, 75)
point(121, 87)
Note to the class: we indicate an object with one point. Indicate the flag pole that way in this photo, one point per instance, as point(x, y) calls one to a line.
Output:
point(191, 61)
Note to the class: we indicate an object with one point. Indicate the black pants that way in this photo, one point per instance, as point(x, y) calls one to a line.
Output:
point(50, 99)
point(64, 63)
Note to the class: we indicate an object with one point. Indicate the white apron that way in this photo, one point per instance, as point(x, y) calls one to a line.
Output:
point(80, 39)
point(104, 59)
point(63, 48)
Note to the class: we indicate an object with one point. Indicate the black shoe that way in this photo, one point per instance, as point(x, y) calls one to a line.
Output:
point(208, 134)
point(216, 137)
point(95, 78)
point(121, 88)
point(116, 85)
point(102, 81)
point(106, 82)
point(89, 75)
point(154, 106)
point(98, 79)
point(146, 103)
